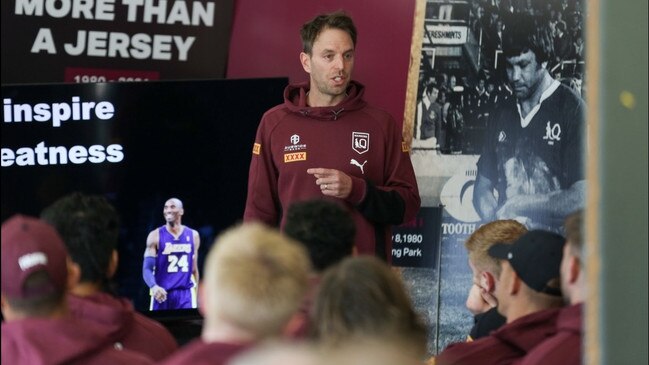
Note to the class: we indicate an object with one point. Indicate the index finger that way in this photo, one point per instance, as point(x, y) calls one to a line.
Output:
point(318, 171)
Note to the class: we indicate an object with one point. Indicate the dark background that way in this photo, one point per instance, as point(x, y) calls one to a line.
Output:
point(187, 139)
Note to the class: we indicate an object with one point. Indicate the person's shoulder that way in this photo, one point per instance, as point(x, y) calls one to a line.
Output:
point(273, 117)
point(468, 352)
point(567, 95)
point(275, 114)
point(154, 233)
point(155, 330)
point(377, 113)
point(199, 352)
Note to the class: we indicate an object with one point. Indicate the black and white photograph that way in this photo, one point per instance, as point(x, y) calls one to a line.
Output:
point(498, 129)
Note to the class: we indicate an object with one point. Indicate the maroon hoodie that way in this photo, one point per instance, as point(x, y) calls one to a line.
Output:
point(199, 352)
point(506, 345)
point(134, 331)
point(566, 346)
point(70, 341)
point(362, 141)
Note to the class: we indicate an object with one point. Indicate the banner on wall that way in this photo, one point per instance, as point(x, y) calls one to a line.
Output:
point(416, 243)
point(114, 40)
point(471, 151)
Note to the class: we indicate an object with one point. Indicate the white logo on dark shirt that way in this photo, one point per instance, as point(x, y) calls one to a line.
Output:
point(552, 133)
point(356, 163)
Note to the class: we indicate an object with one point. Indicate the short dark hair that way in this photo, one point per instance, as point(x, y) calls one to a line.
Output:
point(326, 230)
point(525, 32)
point(89, 226)
point(336, 20)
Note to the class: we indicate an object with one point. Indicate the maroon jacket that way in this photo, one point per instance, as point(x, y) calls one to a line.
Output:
point(134, 331)
point(504, 346)
point(69, 341)
point(362, 141)
point(199, 352)
point(565, 346)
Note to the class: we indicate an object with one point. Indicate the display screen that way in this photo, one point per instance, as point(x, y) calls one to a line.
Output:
point(138, 144)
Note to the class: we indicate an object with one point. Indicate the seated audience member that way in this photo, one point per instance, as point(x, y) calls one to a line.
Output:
point(281, 353)
point(528, 296)
point(38, 329)
point(486, 270)
point(327, 231)
point(565, 347)
point(362, 299)
point(254, 281)
point(89, 226)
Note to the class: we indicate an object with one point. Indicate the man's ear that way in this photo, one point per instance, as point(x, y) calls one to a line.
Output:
point(113, 262)
point(305, 60)
point(574, 270)
point(487, 281)
point(74, 274)
point(7, 311)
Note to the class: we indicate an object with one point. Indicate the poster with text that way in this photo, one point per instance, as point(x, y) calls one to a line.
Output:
point(114, 40)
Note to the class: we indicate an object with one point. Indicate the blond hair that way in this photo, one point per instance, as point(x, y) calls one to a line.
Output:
point(255, 278)
point(500, 231)
point(362, 297)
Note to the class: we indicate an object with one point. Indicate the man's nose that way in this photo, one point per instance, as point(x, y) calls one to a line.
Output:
point(339, 62)
point(515, 73)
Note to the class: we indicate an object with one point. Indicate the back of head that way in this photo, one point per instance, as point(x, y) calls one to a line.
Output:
point(524, 32)
point(336, 20)
point(326, 230)
point(500, 231)
point(254, 279)
point(363, 298)
point(34, 267)
point(89, 226)
point(280, 353)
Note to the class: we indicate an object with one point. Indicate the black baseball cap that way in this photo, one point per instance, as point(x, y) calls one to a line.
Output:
point(536, 258)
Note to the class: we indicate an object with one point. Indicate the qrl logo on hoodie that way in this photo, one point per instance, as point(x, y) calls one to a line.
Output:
point(360, 142)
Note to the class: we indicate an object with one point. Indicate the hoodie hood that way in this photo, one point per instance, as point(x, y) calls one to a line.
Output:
point(115, 314)
point(526, 332)
point(39, 341)
point(295, 101)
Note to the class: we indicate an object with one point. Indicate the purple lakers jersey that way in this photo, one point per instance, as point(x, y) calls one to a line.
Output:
point(175, 260)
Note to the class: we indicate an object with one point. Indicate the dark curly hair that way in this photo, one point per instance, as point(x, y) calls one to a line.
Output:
point(89, 226)
point(326, 229)
point(524, 32)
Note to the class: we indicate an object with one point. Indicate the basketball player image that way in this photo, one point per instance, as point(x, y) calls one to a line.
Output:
point(170, 267)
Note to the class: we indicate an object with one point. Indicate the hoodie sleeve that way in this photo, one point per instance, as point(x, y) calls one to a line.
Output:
point(262, 202)
point(396, 200)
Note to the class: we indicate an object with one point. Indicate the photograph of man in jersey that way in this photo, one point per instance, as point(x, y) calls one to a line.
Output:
point(531, 166)
point(170, 267)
